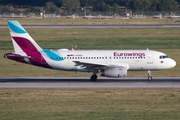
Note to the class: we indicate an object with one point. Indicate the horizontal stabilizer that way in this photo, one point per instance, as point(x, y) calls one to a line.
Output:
point(16, 56)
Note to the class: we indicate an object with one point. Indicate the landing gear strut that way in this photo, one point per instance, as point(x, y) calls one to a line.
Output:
point(149, 75)
point(94, 76)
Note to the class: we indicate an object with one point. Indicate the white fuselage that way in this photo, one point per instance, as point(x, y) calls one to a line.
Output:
point(134, 60)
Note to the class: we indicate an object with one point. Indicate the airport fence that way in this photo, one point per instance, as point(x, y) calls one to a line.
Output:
point(92, 14)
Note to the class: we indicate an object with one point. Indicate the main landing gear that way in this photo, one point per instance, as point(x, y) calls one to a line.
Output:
point(149, 75)
point(94, 76)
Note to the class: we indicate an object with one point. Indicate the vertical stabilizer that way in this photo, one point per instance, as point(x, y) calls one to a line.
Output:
point(22, 41)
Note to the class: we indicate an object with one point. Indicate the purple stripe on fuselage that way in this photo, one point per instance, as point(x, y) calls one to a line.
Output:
point(35, 56)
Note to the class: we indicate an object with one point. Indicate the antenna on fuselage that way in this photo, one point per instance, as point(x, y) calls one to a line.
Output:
point(147, 49)
point(72, 48)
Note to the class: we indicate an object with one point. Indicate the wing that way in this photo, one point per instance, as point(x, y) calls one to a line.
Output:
point(91, 65)
point(99, 66)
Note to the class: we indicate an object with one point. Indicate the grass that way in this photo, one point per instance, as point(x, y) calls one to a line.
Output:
point(81, 104)
point(81, 21)
point(160, 39)
point(109, 38)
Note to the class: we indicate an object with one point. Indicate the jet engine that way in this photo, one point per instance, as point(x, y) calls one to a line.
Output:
point(114, 72)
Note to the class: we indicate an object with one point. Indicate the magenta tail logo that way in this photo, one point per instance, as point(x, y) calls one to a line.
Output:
point(25, 44)
point(26, 49)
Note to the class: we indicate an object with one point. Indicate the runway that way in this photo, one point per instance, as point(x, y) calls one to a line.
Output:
point(85, 83)
point(102, 26)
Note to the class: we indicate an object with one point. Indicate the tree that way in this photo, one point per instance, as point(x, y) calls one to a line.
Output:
point(140, 5)
point(167, 5)
point(154, 5)
point(34, 9)
point(101, 6)
point(115, 7)
point(5, 9)
point(84, 3)
point(50, 7)
point(58, 3)
point(71, 5)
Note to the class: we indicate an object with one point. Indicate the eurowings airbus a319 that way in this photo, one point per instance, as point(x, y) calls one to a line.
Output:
point(110, 63)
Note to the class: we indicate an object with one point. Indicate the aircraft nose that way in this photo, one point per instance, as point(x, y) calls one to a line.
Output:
point(170, 63)
point(173, 63)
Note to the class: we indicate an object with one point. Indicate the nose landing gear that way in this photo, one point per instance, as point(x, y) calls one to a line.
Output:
point(149, 75)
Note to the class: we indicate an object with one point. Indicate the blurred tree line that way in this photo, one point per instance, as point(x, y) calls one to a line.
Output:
point(98, 5)
point(154, 5)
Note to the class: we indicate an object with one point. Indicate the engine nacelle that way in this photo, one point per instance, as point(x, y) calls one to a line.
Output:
point(114, 72)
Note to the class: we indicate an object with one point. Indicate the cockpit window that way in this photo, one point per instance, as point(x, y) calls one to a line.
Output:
point(163, 57)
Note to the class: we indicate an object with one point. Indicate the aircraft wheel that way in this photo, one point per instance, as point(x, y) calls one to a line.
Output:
point(149, 78)
point(93, 77)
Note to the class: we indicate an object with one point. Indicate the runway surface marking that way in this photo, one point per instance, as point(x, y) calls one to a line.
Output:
point(84, 82)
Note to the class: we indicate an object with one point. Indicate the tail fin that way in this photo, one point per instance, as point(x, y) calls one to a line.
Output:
point(22, 41)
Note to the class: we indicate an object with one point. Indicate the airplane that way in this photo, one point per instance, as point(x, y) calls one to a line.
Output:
point(109, 63)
